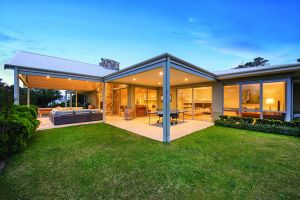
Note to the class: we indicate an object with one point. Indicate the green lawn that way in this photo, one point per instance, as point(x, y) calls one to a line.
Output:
point(103, 162)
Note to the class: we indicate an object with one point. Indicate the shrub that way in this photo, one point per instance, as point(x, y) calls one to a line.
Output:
point(235, 119)
point(248, 120)
point(223, 117)
point(261, 125)
point(16, 129)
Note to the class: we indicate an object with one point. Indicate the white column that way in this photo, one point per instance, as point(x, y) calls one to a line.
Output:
point(76, 99)
point(166, 102)
point(261, 99)
point(16, 87)
point(28, 96)
point(66, 98)
point(103, 101)
point(289, 99)
point(71, 99)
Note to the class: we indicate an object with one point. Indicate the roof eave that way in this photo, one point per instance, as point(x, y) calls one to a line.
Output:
point(274, 70)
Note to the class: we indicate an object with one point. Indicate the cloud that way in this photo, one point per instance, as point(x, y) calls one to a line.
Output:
point(191, 19)
point(6, 38)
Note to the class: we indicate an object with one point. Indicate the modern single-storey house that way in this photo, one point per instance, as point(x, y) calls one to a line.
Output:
point(166, 86)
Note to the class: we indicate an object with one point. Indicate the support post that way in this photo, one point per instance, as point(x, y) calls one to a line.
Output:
point(66, 98)
point(217, 100)
point(166, 102)
point(289, 100)
point(71, 99)
point(28, 96)
point(76, 99)
point(193, 104)
point(16, 87)
point(261, 99)
point(130, 96)
point(103, 101)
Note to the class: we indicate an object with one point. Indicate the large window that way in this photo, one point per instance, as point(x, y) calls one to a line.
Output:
point(251, 97)
point(271, 95)
point(274, 96)
point(231, 100)
point(146, 97)
point(140, 96)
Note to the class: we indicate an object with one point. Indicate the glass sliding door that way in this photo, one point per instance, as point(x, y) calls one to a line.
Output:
point(152, 100)
point(231, 100)
point(202, 103)
point(184, 100)
point(124, 100)
point(145, 101)
point(119, 101)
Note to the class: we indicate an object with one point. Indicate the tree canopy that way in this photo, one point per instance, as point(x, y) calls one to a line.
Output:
point(259, 61)
point(38, 97)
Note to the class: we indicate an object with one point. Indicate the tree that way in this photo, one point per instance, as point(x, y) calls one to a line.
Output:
point(38, 97)
point(6, 97)
point(298, 60)
point(43, 97)
point(257, 62)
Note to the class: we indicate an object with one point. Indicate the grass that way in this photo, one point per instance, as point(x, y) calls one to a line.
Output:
point(103, 162)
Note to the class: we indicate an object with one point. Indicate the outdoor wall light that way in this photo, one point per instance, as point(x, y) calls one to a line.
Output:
point(47, 76)
point(161, 73)
point(186, 79)
point(69, 79)
point(134, 79)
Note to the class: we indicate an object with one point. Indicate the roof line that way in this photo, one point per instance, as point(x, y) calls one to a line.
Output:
point(257, 69)
point(9, 66)
point(161, 56)
point(57, 57)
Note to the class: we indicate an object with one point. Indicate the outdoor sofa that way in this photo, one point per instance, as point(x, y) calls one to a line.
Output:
point(59, 117)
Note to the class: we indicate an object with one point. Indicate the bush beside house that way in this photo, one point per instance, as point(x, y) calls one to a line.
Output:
point(17, 126)
point(261, 125)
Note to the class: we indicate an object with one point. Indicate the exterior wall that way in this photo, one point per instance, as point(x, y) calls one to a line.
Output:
point(130, 96)
point(217, 100)
point(92, 98)
point(173, 93)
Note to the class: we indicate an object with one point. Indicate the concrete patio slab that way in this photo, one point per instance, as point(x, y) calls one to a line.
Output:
point(153, 130)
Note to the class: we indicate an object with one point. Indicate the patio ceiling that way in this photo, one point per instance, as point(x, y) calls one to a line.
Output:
point(154, 78)
point(47, 82)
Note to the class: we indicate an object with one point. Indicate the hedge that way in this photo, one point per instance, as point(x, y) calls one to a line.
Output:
point(16, 129)
point(261, 125)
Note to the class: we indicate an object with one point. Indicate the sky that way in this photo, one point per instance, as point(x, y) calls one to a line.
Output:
point(214, 35)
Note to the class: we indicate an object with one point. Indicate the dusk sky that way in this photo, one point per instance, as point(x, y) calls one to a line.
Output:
point(214, 35)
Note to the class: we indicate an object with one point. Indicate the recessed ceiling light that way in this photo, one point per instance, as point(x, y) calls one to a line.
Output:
point(134, 79)
point(47, 76)
point(161, 73)
point(186, 79)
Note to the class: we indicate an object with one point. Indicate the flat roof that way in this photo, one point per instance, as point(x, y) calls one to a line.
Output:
point(41, 62)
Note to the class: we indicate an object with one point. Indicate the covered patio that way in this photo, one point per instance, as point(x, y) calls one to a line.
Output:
point(164, 86)
point(157, 84)
point(154, 131)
